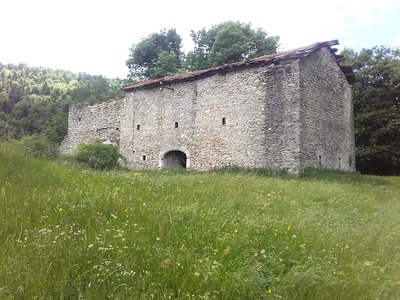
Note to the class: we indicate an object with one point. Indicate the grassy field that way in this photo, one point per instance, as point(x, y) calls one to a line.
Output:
point(70, 233)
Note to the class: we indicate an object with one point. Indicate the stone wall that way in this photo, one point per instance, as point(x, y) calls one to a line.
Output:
point(90, 123)
point(236, 119)
point(282, 117)
point(327, 126)
point(291, 114)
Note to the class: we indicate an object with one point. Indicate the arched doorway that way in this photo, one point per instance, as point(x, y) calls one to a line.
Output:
point(175, 159)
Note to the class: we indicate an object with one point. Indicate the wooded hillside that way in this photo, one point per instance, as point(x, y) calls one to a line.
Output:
point(35, 100)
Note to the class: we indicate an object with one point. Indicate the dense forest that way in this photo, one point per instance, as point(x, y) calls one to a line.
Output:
point(34, 101)
point(376, 95)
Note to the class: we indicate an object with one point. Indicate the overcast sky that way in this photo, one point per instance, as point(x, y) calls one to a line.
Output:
point(94, 36)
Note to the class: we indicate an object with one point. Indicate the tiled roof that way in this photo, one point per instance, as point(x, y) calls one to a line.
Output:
point(262, 60)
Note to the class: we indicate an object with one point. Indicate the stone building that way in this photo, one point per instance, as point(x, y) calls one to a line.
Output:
point(290, 110)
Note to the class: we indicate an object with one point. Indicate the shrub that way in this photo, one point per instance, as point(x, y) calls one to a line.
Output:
point(97, 155)
point(39, 146)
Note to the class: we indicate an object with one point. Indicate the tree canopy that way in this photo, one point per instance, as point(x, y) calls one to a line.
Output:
point(160, 54)
point(228, 42)
point(157, 55)
point(377, 109)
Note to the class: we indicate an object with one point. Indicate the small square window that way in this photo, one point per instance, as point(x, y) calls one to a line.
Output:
point(176, 124)
point(223, 121)
point(144, 157)
point(138, 127)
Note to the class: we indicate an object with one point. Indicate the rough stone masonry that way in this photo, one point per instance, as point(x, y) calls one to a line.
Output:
point(290, 110)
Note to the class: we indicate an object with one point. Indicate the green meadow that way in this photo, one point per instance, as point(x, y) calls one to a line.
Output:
point(67, 232)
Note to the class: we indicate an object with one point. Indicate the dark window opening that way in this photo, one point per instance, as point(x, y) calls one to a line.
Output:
point(144, 157)
point(138, 127)
point(223, 121)
point(340, 162)
point(175, 160)
point(320, 160)
point(117, 129)
point(79, 119)
point(176, 124)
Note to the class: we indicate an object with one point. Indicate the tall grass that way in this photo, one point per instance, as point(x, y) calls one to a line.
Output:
point(70, 233)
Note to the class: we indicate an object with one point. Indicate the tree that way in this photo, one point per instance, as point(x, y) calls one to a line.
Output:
point(155, 56)
point(228, 42)
point(34, 101)
point(377, 109)
point(167, 64)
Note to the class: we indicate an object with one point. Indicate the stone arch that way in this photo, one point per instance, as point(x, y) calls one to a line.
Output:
point(174, 157)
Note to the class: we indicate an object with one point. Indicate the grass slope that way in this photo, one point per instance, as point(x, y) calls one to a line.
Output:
point(69, 233)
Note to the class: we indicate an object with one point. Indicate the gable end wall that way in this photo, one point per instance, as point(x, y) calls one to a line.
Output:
point(327, 125)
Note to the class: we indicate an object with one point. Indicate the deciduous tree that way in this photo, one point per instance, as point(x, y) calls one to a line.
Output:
point(157, 55)
point(229, 42)
point(377, 109)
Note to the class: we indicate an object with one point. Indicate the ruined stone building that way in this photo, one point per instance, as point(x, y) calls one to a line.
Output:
point(290, 110)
